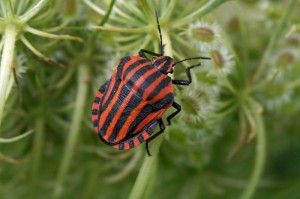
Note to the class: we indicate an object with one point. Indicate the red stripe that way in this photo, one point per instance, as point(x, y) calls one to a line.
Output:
point(116, 97)
point(110, 87)
point(168, 89)
point(151, 117)
point(124, 130)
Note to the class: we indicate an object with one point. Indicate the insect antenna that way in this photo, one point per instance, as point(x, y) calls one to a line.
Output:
point(190, 59)
point(158, 26)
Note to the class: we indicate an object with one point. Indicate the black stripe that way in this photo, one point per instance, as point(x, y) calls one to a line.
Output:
point(134, 65)
point(141, 138)
point(97, 100)
point(131, 144)
point(124, 92)
point(96, 123)
point(141, 116)
point(101, 133)
point(94, 111)
point(133, 103)
point(161, 60)
point(110, 95)
point(167, 100)
point(148, 129)
point(150, 80)
point(158, 89)
point(102, 88)
point(121, 65)
point(116, 86)
point(151, 127)
point(121, 146)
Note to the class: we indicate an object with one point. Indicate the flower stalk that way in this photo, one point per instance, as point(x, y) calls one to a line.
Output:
point(260, 155)
point(9, 40)
point(83, 76)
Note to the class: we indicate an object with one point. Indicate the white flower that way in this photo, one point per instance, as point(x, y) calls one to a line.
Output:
point(204, 35)
point(197, 101)
point(221, 60)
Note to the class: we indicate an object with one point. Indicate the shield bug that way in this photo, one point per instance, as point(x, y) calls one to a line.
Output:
point(129, 106)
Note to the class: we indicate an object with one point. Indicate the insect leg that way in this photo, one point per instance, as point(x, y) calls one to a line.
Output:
point(188, 73)
point(162, 128)
point(143, 51)
point(176, 106)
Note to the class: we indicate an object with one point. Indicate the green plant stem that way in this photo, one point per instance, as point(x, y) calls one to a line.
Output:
point(83, 77)
point(259, 159)
point(107, 14)
point(8, 8)
point(9, 37)
point(126, 30)
point(51, 36)
point(167, 42)
point(206, 8)
point(147, 171)
point(94, 7)
point(14, 139)
point(274, 39)
point(243, 34)
point(35, 163)
point(292, 84)
point(34, 10)
point(126, 170)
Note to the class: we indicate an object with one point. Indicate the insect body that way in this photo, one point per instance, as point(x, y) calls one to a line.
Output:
point(129, 106)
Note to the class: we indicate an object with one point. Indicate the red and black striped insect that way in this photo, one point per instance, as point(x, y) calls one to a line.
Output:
point(129, 106)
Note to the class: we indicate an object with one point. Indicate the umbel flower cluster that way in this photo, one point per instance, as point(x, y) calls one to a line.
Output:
point(237, 135)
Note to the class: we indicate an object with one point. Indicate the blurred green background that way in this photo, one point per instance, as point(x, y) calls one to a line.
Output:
point(236, 137)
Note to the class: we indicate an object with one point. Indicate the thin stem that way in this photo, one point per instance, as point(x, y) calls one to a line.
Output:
point(8, 159)
point(51, 36)
point(259, 159)
point(9, 39)
point(206, 8)
point(131, 7)
point(243, 33)
point(94, 7)
point(274, 39)
point(126, 170)
point(227, 82)
point(144, 44)
point(168, 11)
point(148, 11)
point(38, 53)
point(293, 84)
point(83, 79)
point(14, 139)
point(125, 16)
point(147, 171)
point(35, 163)
point(125, 30)
point(102, 154)
point(34, 10)
point(167, 42)
point(2, 6)
point(8, 8)
point(107, 14)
